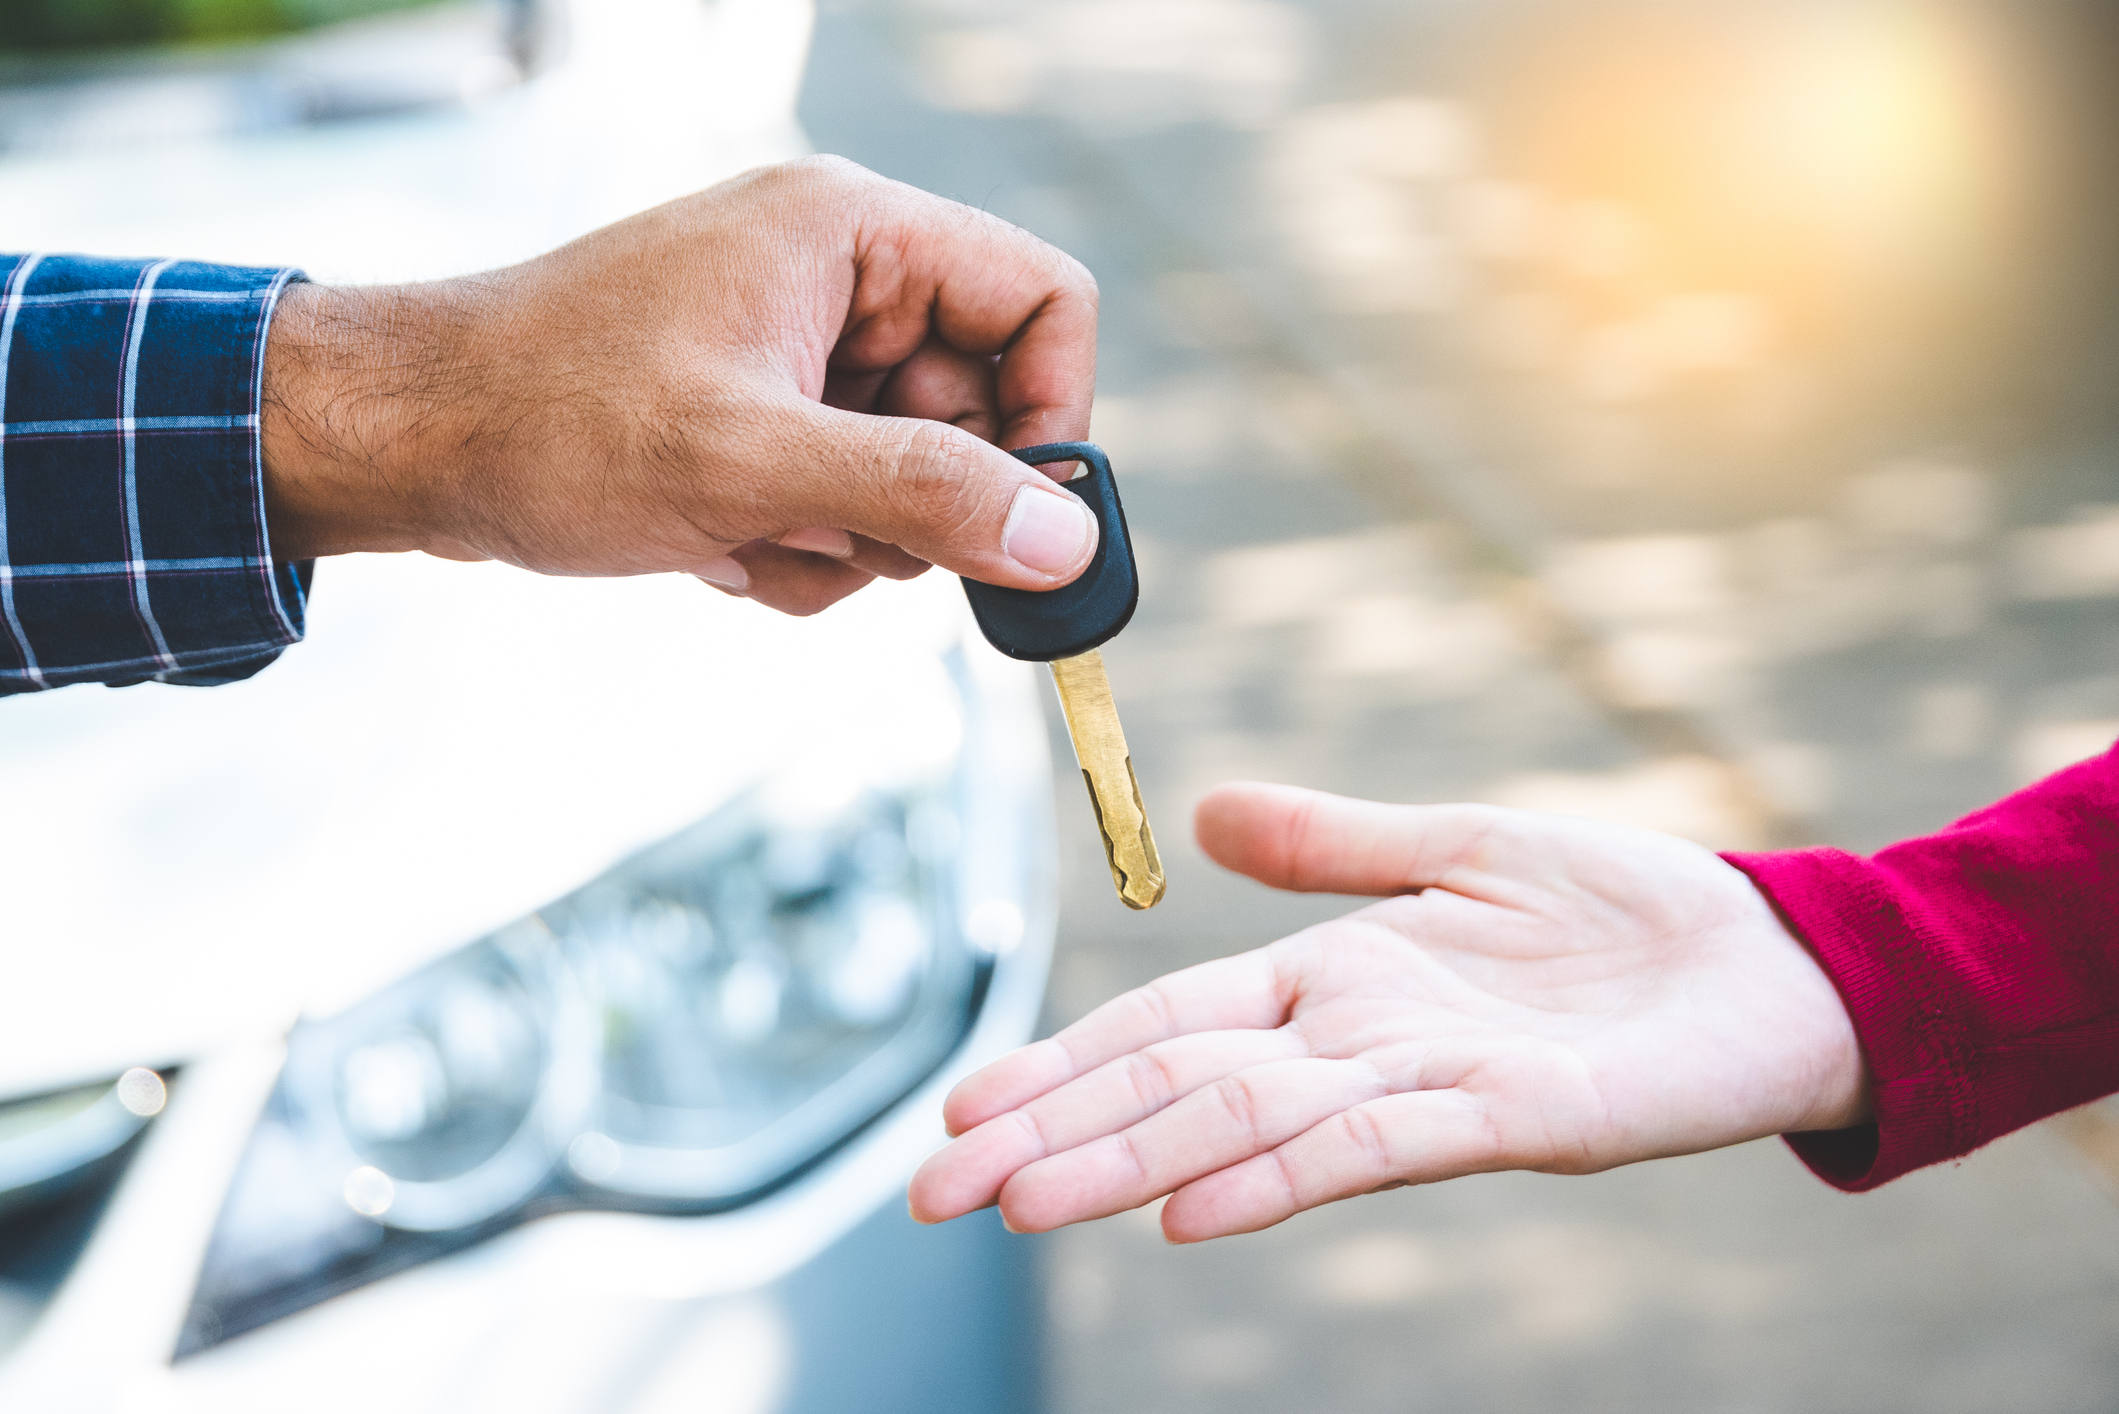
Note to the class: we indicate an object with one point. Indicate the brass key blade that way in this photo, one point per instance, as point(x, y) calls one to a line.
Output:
point(1100, 748)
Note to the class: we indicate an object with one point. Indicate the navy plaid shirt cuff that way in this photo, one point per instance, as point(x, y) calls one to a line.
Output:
point(132, 489)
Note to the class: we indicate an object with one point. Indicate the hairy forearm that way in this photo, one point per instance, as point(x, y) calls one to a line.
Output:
point(364, 402)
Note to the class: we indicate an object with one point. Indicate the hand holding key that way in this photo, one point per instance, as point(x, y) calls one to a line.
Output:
point(1535, 992)
point(786, 384)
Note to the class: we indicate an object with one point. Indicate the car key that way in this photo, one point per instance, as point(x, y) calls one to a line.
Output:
point(1064, 628)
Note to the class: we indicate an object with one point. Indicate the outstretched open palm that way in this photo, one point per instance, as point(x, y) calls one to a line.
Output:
point(1537, 992)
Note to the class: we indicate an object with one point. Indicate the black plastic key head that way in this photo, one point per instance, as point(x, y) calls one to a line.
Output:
point(1041, 625)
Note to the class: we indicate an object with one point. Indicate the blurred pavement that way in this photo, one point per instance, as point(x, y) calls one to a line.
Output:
point(1695, 416)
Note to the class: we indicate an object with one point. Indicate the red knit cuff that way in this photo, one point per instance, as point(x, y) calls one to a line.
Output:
point(1910, 1031)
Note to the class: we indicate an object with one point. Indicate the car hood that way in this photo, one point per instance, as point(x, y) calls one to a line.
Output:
point(455, 746)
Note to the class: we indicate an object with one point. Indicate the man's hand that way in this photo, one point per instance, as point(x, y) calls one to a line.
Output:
point(1559, 995)
point(786, 384)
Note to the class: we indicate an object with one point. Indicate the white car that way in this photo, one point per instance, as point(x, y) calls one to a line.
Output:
point(507, 998)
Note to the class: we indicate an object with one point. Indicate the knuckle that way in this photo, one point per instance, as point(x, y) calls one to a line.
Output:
point(1071, 1062)
point(1290, 1181)
point(934, 475)
point(1241, 1103)
point(1152, 1000)
point(1032, 1131)
point(1130, 1151)
point(823, 181)
point(1149, 1078)
point(1076, 279)
point(824, 167)
point(1369, 1141)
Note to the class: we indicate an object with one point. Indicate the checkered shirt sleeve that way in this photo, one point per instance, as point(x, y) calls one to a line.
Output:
point(132, 511)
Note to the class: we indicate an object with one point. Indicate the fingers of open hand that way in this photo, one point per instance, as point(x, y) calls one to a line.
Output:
point(1249, 1113)
point(1229, 993)
point(1313, 842)
point(1420, 1136)
point(969, 1173)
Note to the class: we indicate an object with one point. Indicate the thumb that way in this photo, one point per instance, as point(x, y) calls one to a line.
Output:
point(1311, 842)
point(942, 494)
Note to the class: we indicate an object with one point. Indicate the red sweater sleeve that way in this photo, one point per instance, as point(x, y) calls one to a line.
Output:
point(1980, 966)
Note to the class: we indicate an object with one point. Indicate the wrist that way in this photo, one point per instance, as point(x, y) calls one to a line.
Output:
point(1842, 1092)
point(1837, 1082)
point(352, 414)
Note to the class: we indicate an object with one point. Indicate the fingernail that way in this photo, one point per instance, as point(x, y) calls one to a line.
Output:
point(820, 540)
point(725, 573)
point(1047, 530)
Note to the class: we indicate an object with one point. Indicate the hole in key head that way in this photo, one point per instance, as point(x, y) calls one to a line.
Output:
point(1065, 471)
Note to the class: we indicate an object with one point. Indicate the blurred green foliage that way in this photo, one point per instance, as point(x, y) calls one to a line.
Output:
point(49, 25)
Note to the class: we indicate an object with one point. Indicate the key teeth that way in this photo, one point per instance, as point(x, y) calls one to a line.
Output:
point(1103, 832)
point(1143, 905)
point(1156, 882)
point(1137, 899)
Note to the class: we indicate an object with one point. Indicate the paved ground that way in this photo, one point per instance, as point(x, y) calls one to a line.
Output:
point(1541, 405)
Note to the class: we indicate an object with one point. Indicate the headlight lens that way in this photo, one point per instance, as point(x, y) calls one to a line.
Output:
point(677, 1036)
point(48, 1143)
point(443, 1100)
point(762, 989)
point(60, 1155)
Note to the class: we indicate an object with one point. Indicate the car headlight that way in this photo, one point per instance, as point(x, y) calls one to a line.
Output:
point(764, 986)
point(680, 1035)
point(60, 1155)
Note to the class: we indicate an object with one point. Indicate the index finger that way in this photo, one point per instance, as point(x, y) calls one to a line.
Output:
point(1247, 991)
